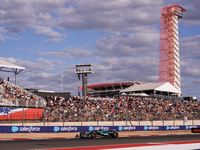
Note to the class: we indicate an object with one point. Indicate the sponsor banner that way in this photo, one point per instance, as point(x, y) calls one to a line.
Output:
point(195, 130)
point(42, 129)
point(9, 113)
point(57, 129)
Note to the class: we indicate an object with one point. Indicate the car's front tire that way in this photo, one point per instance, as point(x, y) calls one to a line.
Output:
point(93, 135)
point(81, 134)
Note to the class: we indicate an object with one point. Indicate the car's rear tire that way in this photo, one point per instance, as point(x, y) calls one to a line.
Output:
point(93, 135)
point(115, 135)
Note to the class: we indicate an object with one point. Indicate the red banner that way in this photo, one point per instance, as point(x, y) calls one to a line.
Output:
point(9, 113)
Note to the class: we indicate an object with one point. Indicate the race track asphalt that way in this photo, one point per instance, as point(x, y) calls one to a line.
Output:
point(76, 142)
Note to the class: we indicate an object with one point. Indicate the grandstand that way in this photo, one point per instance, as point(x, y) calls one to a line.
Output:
point(134, 88)
point(110, 88)
point(44, 93)
point(162, 90)
point(12, 95)
point(15, 96)
point(121, 108)
point(17, 103)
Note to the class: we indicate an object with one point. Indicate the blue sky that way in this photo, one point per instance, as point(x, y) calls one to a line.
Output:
point(119, 37)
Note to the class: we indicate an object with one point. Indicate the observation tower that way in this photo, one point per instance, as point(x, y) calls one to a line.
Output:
point(169, 62)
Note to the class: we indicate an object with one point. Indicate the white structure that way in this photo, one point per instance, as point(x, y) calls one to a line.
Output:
point(163, 88)
point(9, 67)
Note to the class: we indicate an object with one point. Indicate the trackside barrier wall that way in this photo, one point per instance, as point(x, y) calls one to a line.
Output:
point(59, 129)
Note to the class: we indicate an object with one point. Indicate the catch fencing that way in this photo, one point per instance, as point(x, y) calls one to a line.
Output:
point(60, 116)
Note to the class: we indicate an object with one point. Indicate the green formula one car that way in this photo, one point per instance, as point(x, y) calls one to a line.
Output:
point(100, 134)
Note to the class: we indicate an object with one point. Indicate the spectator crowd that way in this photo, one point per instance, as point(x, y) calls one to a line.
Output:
point(13, 95)
point(119, 108)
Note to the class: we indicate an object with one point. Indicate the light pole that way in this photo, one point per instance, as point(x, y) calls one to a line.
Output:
point(62, 82)
point(84, 69)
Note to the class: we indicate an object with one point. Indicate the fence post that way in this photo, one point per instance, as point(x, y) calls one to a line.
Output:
point(113, 118)
point(23, 116)
point(11, 117)
point(163, 118)
point(63, 117)
point(139, 118)
point(192, 118)
point(126, 117)
point(173, 120)
point(26, 103)
point(48, 115)
point(81, 118)
point(97, 118)
point(36, 104)
point(44, 114)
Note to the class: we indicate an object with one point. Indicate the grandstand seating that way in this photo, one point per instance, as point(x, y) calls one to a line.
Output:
point(15, 96)
point(120, 109)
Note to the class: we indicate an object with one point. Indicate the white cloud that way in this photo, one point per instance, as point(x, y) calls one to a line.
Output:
point(111, 15)
point(189, 46)
point(133, 44)
point(69, 53)
point(190, 57)
point(47, 31)
point(16, 16)
point(54, 40)
point(39, 65)
point(125, 69)
point(126, 49)
point(2, 38)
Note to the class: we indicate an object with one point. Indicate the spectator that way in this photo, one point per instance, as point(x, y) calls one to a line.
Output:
point(136, 108)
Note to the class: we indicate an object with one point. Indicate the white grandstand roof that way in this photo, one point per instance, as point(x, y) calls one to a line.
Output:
point(5, 67)
point(9, 65)
point(163, 86)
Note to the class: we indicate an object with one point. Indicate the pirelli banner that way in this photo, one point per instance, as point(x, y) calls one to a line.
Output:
point(57, 129)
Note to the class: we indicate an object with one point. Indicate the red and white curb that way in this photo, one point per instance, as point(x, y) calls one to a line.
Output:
point(181, 145)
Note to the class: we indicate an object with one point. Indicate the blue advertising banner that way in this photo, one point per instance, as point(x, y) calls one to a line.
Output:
point(57, 129)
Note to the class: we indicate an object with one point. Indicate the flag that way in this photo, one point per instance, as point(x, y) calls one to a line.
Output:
point(10, 113)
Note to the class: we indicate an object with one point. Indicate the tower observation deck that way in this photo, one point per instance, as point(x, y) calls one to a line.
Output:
point(169, 62)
